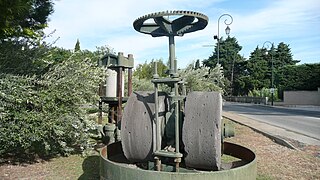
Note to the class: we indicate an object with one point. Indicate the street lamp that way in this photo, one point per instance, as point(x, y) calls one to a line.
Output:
point(227, 30)
point(272, 88)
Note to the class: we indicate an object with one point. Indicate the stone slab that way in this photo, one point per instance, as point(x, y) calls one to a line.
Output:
point(201, 132)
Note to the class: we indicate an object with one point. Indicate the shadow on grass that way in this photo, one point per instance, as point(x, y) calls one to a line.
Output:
point(91, 168)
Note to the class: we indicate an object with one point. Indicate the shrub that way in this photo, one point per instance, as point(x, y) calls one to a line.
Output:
point(264, 92)
point(202, 79)
point(44, 115)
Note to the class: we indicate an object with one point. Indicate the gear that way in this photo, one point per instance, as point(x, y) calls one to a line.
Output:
point(158, 24)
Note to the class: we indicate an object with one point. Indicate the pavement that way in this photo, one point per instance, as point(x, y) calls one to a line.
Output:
point(279, 135)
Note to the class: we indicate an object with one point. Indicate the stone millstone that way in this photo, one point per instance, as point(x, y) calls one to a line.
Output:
point(137, 123)
point(201, 132)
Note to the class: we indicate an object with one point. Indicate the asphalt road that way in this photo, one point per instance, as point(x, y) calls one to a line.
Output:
point(302, 121)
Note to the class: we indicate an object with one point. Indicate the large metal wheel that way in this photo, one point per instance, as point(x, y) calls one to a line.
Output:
point(201, 131)
point(160, 23)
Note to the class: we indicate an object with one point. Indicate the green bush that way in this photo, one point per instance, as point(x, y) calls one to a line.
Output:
point(44, 114)
point(264, 92)
point(202, 79)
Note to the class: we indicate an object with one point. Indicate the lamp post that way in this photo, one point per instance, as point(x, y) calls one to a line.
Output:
point(227, 30)
point(272, 88)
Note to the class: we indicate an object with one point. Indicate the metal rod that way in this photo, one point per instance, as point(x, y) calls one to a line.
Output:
point(119, 108)
point(157, 120)
point(112, 114)
point(176, 117)
point(175, 66)
point(225, 22)
point(158, 164)
point(272, 78)
point(157, 133)
point(155, 74)
point(129, 81)
point(171, 54)
point(177, 166)
point(100, 112)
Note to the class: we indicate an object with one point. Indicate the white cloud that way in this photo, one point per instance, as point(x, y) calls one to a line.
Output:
point(99, 22)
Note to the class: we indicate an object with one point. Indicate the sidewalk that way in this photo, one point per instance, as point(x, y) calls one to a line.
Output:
point(277, 134)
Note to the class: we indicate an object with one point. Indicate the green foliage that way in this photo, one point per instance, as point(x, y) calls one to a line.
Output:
point(258, 69)
point(146, 70)
point(283, 56)
point(24, 18)
point(77, 46)
point(44, 114)
point(21, 57)
point(142, 84)
point(299, 77)
point(264, 92)
point(202, 79)
point(197, 65)
point(242, 76)
point(144, 73)
point(231, 61)
point(263, 63)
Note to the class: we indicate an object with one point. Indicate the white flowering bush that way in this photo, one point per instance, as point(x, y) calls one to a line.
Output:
point(202, 78)
point(196, 79)
point(44, 115)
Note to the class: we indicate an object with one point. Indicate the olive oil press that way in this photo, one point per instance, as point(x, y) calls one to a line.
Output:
point(173, 135)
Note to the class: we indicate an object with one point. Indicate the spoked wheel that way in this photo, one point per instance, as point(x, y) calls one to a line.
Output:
point(170, 23)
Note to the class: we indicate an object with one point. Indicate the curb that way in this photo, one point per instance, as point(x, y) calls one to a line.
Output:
point(276, 139)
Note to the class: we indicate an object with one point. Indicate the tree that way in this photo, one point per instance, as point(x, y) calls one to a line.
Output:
point(77, 46)
point(299, 77)
point(197, 65)
point(283, 56)
point(260, 66)
point(19, 57)
point(146, 70)
point(230, 60)
point(22, 48)
point(258, 69)
point(24, 18)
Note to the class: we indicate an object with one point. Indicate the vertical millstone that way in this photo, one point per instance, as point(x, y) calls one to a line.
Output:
point(201, 133)
point(137, 123)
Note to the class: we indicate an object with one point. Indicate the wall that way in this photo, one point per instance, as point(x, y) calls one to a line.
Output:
point(302, 97)
point(245, 99)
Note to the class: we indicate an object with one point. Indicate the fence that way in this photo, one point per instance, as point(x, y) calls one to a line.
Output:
point(246, 99)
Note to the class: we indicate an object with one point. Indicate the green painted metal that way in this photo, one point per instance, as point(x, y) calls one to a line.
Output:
point(187, 22)
point(227, 130)
point(170, 24)
point(109, 131)
point(112, 60)
point(120, 170)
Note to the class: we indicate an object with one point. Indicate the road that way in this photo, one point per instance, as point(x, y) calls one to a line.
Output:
point(305, 122)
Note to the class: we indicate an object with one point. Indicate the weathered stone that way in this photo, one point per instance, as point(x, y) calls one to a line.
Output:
point(137, 124)
point(201, 132)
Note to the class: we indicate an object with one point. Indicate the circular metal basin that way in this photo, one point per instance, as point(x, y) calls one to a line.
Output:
point(114, 166)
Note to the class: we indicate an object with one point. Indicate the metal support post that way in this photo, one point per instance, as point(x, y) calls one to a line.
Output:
point(172, 55)
point(129, 81)
point(119, 108)
point(100, 112)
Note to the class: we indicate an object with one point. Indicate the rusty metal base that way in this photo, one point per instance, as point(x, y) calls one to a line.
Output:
point(114, 166)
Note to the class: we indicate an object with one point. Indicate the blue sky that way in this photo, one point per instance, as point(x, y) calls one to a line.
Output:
point(105, 22)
